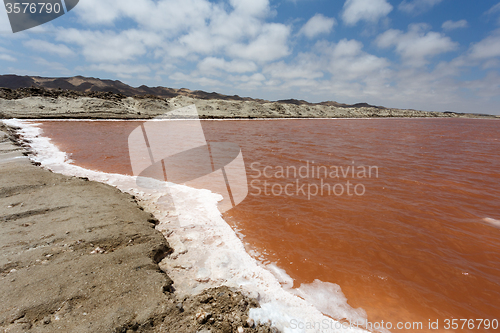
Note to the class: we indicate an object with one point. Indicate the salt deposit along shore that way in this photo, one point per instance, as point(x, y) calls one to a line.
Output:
point(81, 256)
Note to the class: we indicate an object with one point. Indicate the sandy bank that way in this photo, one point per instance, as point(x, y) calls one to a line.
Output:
point(81, 256)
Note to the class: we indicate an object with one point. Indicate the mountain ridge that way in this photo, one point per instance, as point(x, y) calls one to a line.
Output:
point(90, 84)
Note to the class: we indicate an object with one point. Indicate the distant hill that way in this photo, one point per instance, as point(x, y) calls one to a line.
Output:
point(88, 85)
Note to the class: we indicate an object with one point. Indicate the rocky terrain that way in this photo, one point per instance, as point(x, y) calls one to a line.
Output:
point(28, 97)
point(39, 103)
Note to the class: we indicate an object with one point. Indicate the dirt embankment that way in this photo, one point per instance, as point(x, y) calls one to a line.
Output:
point(39, 103)
point(81, 256)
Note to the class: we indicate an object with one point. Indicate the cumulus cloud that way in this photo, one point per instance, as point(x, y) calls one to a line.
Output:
point(201, 80)
point(182, 29)
point(487, 87)
point(248, 82)
point(317, 25)
point(121, 70)
point(343, 65)
point(487, 48)
point(51, 66)
point(44, 46)
point(7, 57)
point(365, 10)
point(416, 45)
point(348, 61)
point(305, 66)
point(417, 6)
point(452, 25)
point(212, 65)
point(258, 8)
point(108, 46)
point(172, 16)
point(270, 45)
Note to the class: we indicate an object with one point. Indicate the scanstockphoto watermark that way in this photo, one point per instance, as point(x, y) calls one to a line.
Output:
point(454, 324)
point(310, 179)
point(330, 326)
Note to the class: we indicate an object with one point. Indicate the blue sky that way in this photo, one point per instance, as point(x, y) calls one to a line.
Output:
point(423, 54)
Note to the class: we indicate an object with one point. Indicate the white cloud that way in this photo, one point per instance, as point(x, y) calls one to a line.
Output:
point(101, 12)
point(306, 66)
point(417, 45)
point(182, 29)
point(201, 80)
point(342, 68)
point(258, 8)
point(487, 87)
point(109, 46)
point(487, 48)
point(221, 31)
point(51, 66)
point(494, 11)
point(348, 61)
point(258, 77)
point(212, 65)
point(7, 57)
point(270, 45)
point(220, 38)
point(365, 10)
point(452, 25)
point(247, 82)
point(233, 25)
point(200, 41)
point(44, 46)
point(317, 25)
point(417, 6)
point(121, 70)
point(172, 16)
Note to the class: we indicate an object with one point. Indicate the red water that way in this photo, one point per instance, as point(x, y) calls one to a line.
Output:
point(414, 247)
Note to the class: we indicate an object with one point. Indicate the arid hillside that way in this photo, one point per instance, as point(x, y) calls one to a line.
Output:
point(30, 97)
